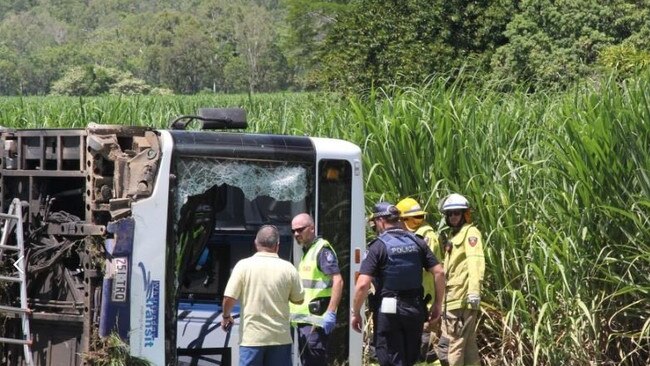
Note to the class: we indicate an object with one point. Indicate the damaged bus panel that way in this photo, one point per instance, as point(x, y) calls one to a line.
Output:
point(129, 234)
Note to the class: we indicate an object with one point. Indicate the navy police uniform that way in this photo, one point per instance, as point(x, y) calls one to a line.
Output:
point(395, 261)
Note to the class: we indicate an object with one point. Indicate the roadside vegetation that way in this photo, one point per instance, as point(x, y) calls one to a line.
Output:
point(113, 351)
point(560, 185)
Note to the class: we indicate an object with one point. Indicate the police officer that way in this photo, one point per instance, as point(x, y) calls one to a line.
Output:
point(464, 268)
point(413, 217)
point(323, 284)
point(393, 264)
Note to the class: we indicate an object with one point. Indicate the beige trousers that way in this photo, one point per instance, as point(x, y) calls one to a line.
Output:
point(459, 328)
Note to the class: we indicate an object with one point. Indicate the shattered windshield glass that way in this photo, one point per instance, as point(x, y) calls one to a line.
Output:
point(280, 181)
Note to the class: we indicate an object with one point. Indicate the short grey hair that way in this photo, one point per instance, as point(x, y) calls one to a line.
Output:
point(267, 236)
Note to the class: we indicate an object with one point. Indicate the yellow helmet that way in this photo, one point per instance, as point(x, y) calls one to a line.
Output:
point(409, 207)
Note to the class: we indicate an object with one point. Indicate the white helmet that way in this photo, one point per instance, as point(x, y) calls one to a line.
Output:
point(453, 202)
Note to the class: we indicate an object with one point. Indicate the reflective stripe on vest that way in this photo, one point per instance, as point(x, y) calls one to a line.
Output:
point(315, 283)
point(307, 319)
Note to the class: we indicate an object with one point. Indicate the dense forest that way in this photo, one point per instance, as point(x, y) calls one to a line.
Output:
point(94, 47)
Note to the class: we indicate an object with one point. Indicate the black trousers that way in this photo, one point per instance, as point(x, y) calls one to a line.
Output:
point(398, 336)
point(312, 345)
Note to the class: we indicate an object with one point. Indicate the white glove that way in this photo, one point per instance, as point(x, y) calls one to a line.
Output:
point(473, 300)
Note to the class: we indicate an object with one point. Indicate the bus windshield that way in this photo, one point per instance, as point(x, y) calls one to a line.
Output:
point(221, 205)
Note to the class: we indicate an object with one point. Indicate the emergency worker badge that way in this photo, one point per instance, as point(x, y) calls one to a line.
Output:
point(329, 257)
point(472, 241)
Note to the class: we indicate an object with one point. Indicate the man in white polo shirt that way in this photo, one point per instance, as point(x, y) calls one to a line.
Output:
point(264, 284)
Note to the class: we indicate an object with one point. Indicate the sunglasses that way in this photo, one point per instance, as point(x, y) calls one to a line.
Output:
point(415, 218)
point(454, 213)
point(299, 229)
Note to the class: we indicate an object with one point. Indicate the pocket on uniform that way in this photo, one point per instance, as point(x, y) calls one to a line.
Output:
point(453, 325)
point(389, 305)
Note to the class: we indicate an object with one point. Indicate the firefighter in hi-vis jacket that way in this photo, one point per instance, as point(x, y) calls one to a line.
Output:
point(464, 267)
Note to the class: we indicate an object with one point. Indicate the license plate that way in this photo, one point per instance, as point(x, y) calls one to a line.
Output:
point(120, 279)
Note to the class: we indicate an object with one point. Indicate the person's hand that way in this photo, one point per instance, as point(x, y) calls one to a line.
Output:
point(474, 300)
point(329, 321)
point(227, 322)
point(356, 322)
point(432, 325)
point(426, 327)
point(435, 313)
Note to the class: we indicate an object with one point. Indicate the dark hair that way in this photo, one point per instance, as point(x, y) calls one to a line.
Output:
point(267, 236)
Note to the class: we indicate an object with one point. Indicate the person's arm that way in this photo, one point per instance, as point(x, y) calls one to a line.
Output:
point(328, 264)
point(337, 292)
point(439, 282)
point(231, 293)
point(329, 317)
point(475, 266)
point(297, 294)
point(375, 256)
point(227, 320)
point(360, 295)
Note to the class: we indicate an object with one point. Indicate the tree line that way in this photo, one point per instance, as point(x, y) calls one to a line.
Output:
point(91, 47)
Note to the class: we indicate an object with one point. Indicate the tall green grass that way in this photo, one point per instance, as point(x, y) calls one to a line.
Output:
point(153, 111)
point(560, 187)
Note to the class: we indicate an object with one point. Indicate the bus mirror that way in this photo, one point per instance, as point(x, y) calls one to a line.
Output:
point(223, 118)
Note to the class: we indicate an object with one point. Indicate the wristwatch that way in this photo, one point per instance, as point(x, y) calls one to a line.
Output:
point(227, 316)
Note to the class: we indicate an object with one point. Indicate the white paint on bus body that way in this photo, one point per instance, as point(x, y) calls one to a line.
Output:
point(147, 335)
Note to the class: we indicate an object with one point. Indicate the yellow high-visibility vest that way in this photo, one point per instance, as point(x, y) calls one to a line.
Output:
point(315, 283)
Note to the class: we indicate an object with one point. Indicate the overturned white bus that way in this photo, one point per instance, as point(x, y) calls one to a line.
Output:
point(133, 232)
